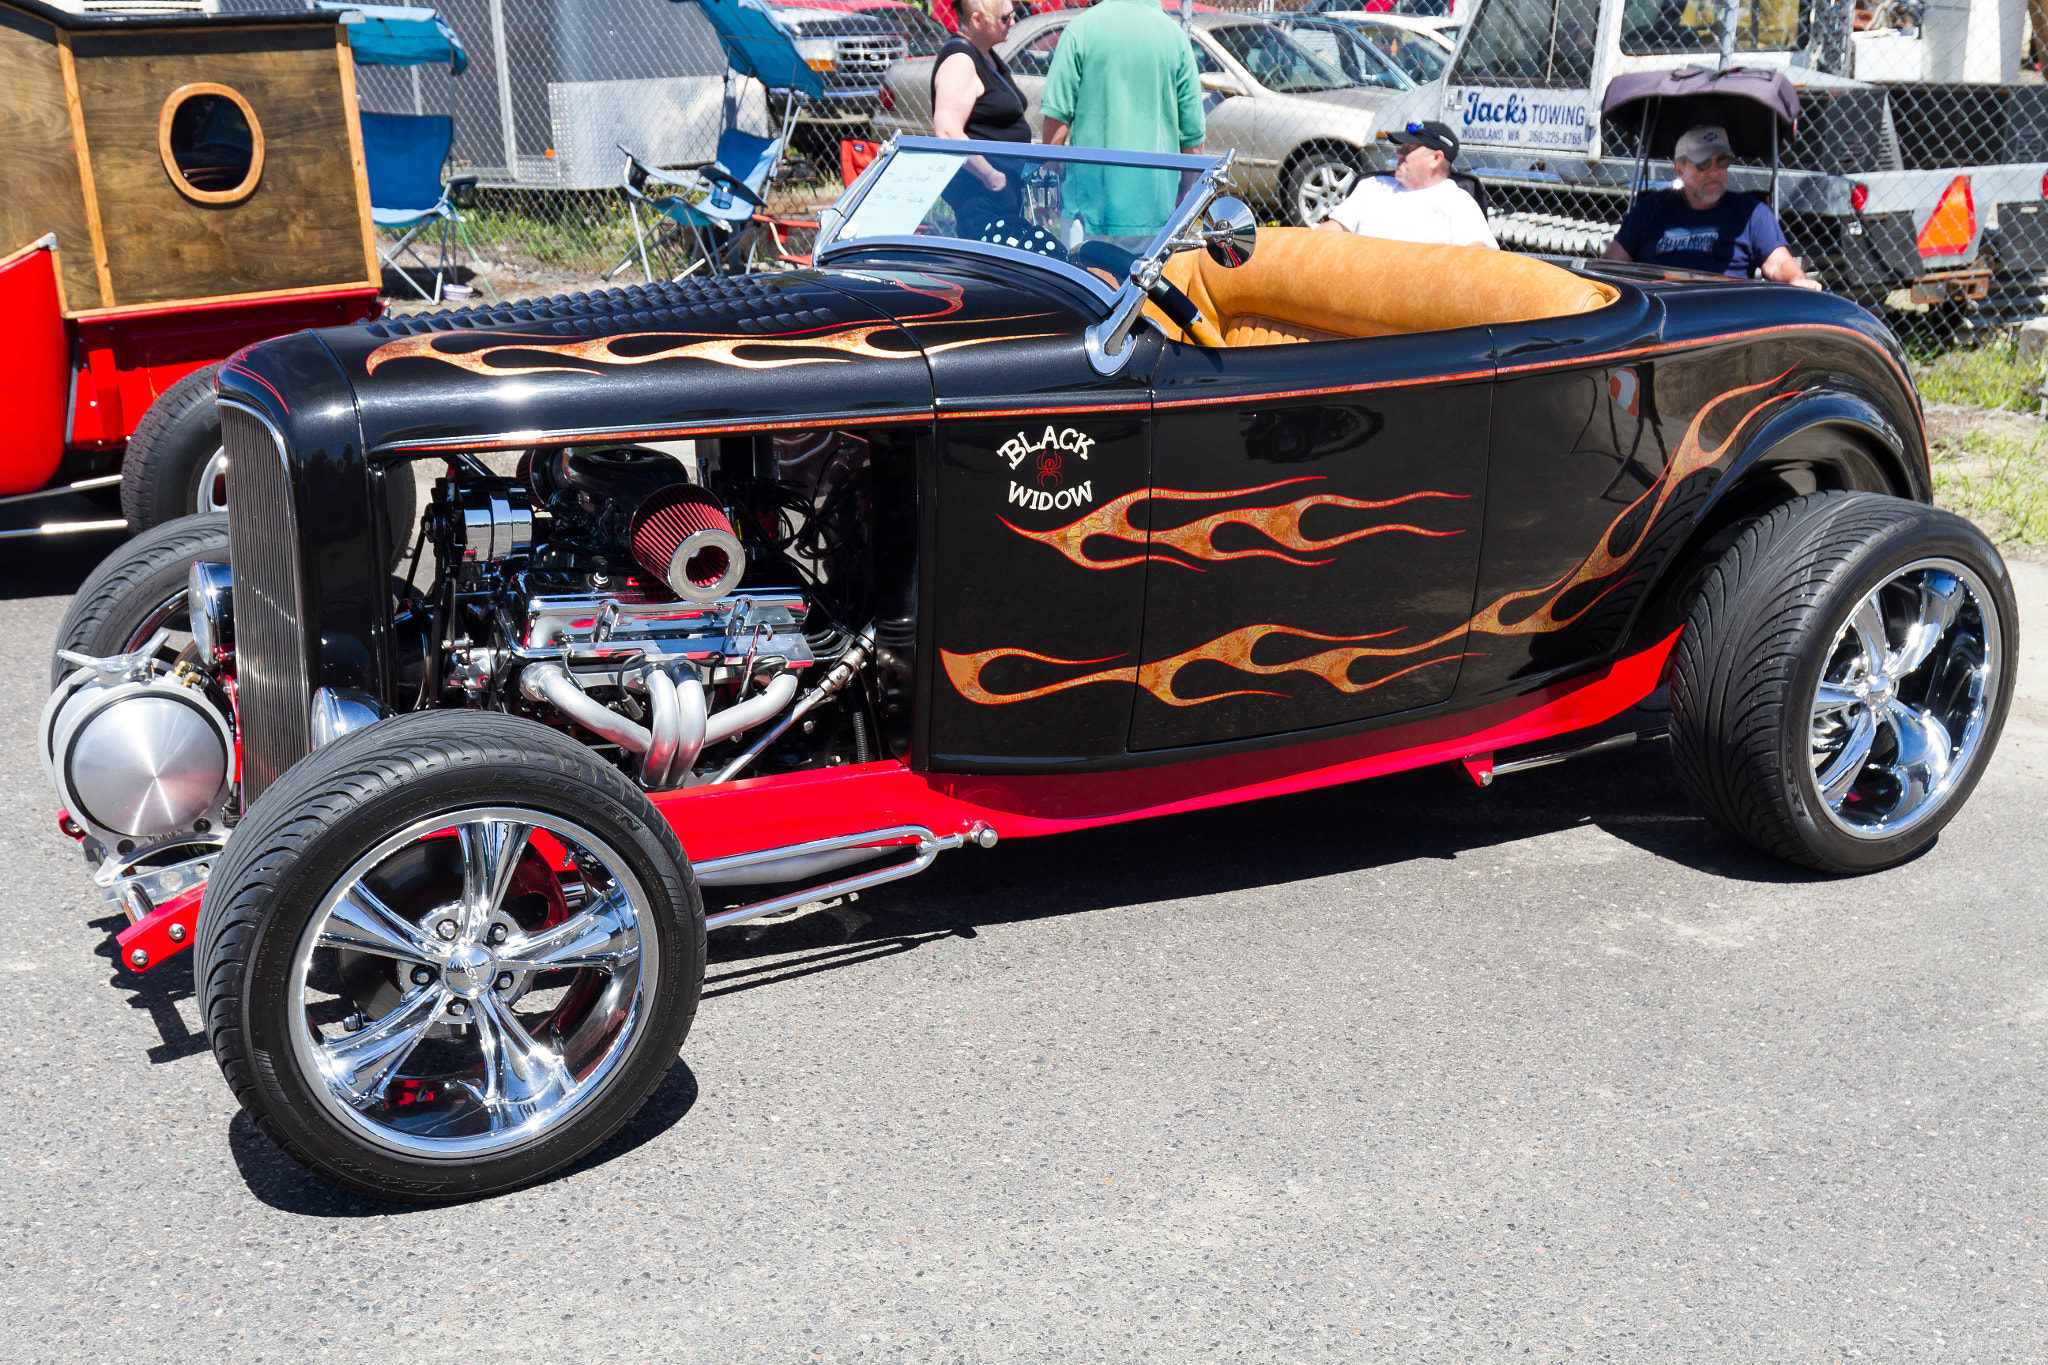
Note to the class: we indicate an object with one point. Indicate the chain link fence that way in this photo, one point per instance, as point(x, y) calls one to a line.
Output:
point(1914, 181)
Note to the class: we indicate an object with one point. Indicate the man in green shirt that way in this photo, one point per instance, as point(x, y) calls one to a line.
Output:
point(1123, 76)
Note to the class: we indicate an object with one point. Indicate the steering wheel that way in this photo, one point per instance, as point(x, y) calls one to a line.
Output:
point(1116, 262)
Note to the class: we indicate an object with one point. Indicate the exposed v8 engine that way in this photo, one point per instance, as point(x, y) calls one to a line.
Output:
point(690, 624)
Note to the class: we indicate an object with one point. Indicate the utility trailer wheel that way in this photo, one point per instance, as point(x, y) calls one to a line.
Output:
point(1843, 678)
point(448, 954)
point(138, 590)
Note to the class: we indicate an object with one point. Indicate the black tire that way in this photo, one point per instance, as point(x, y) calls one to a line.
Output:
point(1769, 619)
point(160, 473)
point(167, 457)
point(137, 588)
point(1317, 181)
point(316, 822)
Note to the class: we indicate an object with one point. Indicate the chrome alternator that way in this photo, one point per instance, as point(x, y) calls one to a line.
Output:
point(140, 754)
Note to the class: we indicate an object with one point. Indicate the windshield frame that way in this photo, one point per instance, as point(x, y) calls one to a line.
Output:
point(841, 212)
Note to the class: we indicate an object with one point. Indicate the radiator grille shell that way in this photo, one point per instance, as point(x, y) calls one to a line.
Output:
point(273, 656)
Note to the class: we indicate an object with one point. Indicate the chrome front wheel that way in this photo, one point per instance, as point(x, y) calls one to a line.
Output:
point(472, 980)
point(1904, 698)
point(425, 997)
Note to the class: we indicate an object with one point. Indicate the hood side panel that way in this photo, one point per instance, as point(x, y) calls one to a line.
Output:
point(754, 351)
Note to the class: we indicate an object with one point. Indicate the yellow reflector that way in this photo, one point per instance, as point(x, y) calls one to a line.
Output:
point(819, 63)
point(1953, 223)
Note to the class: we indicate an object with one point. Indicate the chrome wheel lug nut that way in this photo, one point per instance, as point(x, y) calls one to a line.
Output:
point(499, 933)
point(457, 1009)
point(422, 975)
point(446, 928)
point(504, 981)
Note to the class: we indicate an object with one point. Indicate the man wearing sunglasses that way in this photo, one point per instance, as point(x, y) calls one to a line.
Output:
point(1420, 201)
point(1701, 225)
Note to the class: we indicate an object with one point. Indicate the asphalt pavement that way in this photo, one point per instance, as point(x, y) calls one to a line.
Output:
point(1406, 1071)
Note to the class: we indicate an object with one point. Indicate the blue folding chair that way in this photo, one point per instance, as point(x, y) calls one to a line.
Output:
point(403, 154)
point(711, 203)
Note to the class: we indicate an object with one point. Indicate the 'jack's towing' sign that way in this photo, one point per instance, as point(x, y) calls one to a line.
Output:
point(1552, 120)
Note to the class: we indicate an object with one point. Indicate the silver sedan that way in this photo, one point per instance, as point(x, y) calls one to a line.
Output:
point(1303, 130)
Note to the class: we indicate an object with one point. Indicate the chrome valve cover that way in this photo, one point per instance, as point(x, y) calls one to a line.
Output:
point(707, 635)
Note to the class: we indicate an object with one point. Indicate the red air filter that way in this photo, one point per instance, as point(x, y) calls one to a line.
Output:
point(681, 537)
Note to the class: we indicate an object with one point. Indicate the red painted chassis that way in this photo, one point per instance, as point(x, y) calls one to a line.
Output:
point(757, 814)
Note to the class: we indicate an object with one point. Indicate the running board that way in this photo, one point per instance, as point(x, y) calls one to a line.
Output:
point(1482, 769)
point(103, 481)
point(796, 859)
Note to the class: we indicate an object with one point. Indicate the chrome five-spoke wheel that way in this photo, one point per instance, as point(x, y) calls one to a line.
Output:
point(1903, 698)
point(472, 981)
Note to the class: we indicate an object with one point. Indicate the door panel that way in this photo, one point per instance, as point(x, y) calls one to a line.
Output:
point(1313, 533)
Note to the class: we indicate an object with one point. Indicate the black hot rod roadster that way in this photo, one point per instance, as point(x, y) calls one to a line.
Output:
point(737, 595)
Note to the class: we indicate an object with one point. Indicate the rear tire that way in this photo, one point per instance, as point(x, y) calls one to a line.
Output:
point(138, 589)
point(1842, 680)
point(174, 467)
point(327, 911)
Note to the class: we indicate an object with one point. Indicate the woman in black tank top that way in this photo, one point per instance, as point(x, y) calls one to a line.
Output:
point(973, 96)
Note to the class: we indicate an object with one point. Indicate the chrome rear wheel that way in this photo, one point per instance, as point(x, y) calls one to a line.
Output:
point(1904, 698)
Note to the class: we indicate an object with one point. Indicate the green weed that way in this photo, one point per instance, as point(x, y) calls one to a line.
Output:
point(1987, 376)
point(1999, 482)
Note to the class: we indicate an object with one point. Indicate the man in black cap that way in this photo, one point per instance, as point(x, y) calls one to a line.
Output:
point(1419, 202)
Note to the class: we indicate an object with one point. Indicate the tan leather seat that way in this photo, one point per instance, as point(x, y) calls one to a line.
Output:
point(1307, 285)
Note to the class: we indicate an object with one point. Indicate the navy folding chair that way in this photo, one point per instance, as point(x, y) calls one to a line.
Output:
point(403, 154)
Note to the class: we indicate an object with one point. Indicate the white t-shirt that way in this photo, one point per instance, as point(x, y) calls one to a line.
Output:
point(1442, 215)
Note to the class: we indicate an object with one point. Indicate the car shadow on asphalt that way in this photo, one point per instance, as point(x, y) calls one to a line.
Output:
point(1431, 813)
point(285, 1185)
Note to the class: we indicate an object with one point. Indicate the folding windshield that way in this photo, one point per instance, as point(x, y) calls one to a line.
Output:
point(1049, 202)
point(1276, 61)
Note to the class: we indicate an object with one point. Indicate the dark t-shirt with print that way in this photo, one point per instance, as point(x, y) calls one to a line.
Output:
point(1734, 237)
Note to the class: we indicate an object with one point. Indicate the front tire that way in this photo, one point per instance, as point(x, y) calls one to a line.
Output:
point(447, 955)
point(1843, 679)
point(140, 589)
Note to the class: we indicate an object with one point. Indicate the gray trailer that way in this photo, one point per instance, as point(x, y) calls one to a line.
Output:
point(1915, 176)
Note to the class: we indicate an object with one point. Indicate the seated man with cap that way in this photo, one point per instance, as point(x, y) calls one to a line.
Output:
point(1419, 202)
point(1701, 226)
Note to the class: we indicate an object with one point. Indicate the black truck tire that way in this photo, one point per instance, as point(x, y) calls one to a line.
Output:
point(169, 455)
point(1782, 730)
point(138, 589)
point(363, 815)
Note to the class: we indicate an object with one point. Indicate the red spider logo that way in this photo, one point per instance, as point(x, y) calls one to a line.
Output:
point(1049, 468)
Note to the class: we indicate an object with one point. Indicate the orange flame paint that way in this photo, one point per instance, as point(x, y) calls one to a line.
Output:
point(1197, 539)
point(1234, 650)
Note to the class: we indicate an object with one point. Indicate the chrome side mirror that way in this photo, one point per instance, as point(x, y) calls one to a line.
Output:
point(1229, 231)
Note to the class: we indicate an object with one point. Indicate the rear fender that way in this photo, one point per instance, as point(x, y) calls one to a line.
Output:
point(1830, 438)
point(34, 369)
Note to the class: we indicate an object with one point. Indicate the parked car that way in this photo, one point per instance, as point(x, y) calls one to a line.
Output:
point(1300, 127)
point(972, 543)
point(1420, 47)
point(1347, 48)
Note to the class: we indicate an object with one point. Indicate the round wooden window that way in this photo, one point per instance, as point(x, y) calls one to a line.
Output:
point(211, 143)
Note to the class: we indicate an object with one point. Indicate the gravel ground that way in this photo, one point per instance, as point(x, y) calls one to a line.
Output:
point(1404, 1071)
